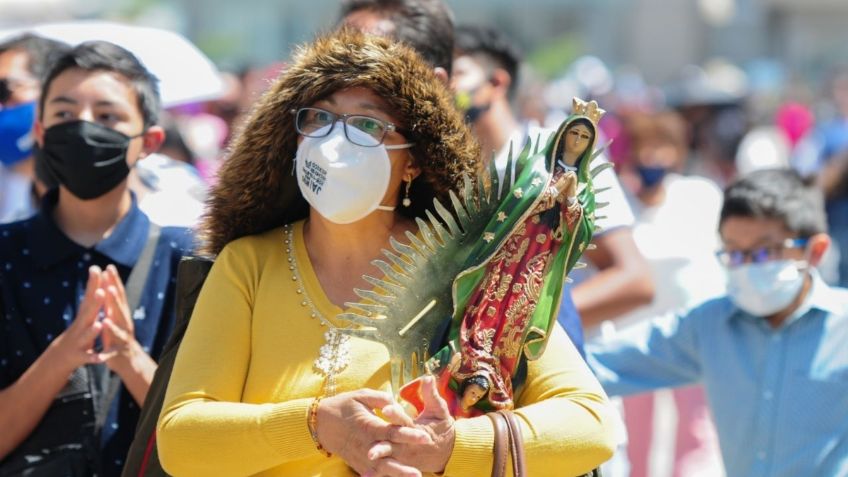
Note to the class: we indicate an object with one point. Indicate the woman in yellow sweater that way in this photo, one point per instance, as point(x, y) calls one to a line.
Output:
point(353, 142)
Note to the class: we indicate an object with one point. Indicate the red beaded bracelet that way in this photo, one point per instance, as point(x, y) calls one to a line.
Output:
point(313, 426)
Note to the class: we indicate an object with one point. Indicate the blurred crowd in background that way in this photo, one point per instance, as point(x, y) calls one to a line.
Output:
point(730, 118)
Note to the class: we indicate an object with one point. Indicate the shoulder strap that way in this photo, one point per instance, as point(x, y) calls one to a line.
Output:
point(141, 270)
point(134, 287)
point(516, 444)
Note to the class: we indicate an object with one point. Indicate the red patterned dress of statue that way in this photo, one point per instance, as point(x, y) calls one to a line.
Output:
point(475, 370)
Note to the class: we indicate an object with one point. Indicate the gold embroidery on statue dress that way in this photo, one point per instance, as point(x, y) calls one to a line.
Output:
point(534, 276)
point(527, 291)
point(485, 338)
point(510, 344)
point(503, 288)
point(516, 255)
point(490, 289)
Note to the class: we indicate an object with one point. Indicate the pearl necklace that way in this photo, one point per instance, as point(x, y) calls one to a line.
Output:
point(334, 355)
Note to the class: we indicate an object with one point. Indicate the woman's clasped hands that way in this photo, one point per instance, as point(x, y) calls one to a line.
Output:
point(396, 445)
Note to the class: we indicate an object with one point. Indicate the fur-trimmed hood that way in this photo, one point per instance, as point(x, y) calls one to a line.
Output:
point(256, 189)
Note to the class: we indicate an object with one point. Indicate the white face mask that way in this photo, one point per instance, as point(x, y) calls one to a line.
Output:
point(344, 182)
point(763, 289)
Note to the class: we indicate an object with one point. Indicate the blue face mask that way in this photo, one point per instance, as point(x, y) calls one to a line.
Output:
point(16, 139)
point(651, 176)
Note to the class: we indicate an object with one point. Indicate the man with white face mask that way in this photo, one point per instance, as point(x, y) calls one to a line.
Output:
point(770, 354)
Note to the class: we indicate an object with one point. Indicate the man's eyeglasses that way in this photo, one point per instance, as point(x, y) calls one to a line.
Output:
point(313, 122)
point(734, 258)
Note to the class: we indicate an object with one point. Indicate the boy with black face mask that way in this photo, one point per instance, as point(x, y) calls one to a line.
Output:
point(771, 354)
point(87, 285)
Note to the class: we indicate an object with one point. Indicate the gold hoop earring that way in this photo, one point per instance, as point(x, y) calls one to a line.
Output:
point(406, 200)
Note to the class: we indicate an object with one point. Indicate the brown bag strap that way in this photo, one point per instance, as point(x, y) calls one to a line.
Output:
point(516, 444)
point(501, 444)
point(508, 443)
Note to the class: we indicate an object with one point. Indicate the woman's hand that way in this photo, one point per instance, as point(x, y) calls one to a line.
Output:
point(347, 426)
point(435, 419)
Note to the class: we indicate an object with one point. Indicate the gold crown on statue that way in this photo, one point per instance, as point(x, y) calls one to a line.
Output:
point(589, 109)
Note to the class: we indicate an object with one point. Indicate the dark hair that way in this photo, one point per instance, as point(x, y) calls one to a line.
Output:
point(493, 45)
point(40, 51)
point(105, 56)
point(477, 379)
point(425, 25)
point(777, 194)
point(584, 122)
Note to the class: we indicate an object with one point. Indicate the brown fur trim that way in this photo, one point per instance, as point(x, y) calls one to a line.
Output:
point(256, 190)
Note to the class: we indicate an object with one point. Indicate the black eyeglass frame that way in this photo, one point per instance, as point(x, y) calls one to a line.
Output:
point(344, 118)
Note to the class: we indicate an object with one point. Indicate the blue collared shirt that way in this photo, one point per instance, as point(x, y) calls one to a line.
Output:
point(779, 397)
point(42, 279)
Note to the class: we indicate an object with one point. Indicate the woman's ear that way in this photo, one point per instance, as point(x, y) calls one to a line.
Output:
point(817, 245)
point(412, 169)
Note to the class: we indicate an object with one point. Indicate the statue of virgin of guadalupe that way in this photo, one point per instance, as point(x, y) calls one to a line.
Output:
point(514, 246)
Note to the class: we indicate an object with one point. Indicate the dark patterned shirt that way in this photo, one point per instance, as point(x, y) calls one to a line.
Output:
point(43, 275)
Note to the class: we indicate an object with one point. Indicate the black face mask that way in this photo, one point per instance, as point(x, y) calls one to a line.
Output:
point(42, 171)
point(87, 158)
point(473, 113)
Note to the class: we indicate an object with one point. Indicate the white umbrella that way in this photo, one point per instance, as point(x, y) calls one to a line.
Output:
point(185, 73)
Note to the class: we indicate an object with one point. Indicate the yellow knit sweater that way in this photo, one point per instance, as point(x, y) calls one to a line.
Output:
point(239, 395)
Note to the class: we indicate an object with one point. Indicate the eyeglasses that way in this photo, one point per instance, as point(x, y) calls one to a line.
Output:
point(734, 258)
point(313, 122)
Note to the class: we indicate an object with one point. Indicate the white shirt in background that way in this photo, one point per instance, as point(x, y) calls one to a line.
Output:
point(679, 238)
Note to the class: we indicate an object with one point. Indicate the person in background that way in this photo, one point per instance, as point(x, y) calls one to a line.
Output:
point(87, 284)
point(425, 25)
point(826, 158)
point(170, 192)
point(23, 62)
point(770, 352)
point(675, 229)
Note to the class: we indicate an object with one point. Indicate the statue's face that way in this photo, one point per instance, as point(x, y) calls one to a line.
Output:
point(577, 139)
point(473, 393)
